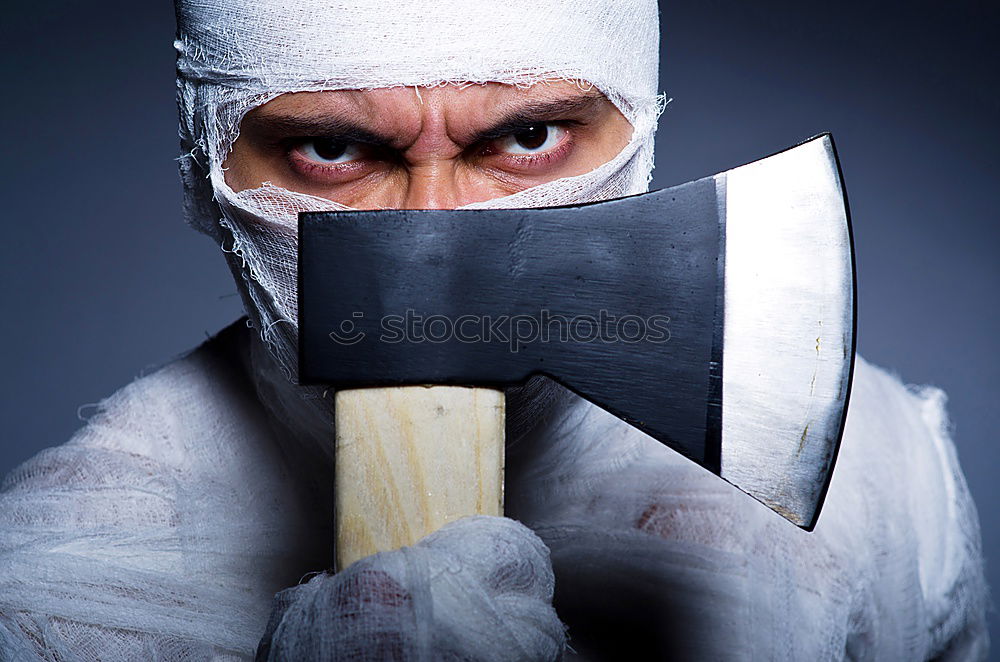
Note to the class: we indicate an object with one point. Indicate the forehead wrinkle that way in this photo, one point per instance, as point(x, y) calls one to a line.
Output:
point(396, 113)
point(434, 137)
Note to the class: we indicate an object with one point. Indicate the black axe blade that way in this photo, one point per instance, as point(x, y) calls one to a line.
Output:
point(717, 316)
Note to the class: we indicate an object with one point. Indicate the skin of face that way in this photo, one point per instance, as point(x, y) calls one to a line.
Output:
point(425, 148)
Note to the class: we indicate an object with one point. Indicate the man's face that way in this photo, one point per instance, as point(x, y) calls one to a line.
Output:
point(426, 148)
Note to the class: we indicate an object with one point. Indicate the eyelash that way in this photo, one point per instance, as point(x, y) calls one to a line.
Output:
point(311, 167)
point(545, 157)
point(301, 163)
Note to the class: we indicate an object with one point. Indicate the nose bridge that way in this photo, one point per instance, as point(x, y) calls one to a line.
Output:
point(433, 186)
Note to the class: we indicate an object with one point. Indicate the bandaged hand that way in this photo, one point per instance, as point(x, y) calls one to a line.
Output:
point(479, 588)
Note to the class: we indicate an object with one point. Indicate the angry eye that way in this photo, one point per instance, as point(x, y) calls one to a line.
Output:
point(533, 139)
point(330, 151)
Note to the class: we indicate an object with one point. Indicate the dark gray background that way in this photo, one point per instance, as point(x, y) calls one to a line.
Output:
point(101, 280)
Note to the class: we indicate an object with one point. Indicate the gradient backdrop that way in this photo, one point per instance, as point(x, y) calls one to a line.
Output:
point(103, 281)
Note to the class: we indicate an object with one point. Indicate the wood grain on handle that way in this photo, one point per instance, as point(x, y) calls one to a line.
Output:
point(411, 459)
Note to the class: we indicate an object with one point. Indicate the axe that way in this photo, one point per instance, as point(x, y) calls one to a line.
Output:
point(717, 316)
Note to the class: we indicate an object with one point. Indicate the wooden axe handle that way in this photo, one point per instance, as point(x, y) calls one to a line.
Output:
point(410, 459)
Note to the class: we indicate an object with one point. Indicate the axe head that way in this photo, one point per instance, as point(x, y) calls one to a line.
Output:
point(717, 316)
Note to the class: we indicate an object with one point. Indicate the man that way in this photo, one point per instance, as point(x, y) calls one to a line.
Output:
point(163, 529)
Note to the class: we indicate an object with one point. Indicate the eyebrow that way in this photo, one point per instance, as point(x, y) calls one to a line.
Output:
point(583, 106)
point(314, 126)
